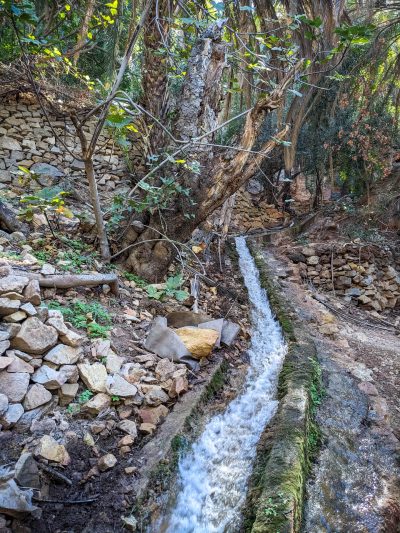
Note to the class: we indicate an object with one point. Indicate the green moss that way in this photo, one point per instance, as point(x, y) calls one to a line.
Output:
point(288, 446)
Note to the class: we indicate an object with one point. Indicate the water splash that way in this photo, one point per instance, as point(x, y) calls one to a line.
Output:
point(213, 476)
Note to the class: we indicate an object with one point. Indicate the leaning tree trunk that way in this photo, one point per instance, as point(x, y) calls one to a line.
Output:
point(221, 174)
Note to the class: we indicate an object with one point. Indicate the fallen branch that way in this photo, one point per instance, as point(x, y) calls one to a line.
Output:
point(67, 281)
point(53, 473)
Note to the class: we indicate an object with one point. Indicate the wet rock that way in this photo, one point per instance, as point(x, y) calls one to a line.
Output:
point(3, 404)
point(63, 355)
point(14, 386)
point(36, 396)
point(48, 377)
point(13, 284)
point(94, 376)
point(49, 449)
point(153, 415)
point(129, 427)
point(27, 472)
point(67, 393)
point(35, 337)
point(12, 415)
point(199, 342)
point(7, 306)
point(32, 292)
point(98, 403)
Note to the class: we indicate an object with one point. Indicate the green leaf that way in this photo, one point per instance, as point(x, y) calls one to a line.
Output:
point(181, 296)
point(174, 282)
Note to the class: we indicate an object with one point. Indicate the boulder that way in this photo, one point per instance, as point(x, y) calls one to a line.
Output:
point(12, 415)
point(37, 395)
point(118, 386)
point(199, 342)
point(217, 325)
point(94, 376)
point(14, 386)
point(63, 355)
point(35, 337)
point(48, 377)
point(165, 342)
point(7, 306)
point(49, 449)
point(98, 403)
point(27, 472)
point(67, 393)
point(32, 292)
point(13, 284)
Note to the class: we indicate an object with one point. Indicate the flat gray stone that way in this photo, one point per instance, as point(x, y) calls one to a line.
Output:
point(35, 337)
point(13, 284)
point(12, 415)
point(48, 377)
point(230, 331)
point(7, 306)
point(36, 396)
point(3, 404)
point(63, 355)
point(14, 386)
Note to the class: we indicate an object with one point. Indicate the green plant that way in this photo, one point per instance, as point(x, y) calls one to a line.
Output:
point(73, 409)
point(115, 399)
point(172, 289)
point(42, 255)
point(92, 316)
point(140, 282)
point(74, 260)
point(85, 396)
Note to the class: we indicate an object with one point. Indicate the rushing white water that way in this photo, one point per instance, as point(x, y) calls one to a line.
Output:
point(214, 475)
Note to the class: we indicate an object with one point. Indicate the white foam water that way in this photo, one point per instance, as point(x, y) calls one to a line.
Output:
point(213, 476)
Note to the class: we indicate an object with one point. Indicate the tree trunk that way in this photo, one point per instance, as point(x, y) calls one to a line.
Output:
point(100, 226)
point(83, 30)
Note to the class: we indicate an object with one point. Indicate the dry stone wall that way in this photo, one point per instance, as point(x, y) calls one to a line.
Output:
point(367, 275)
point(26, 139)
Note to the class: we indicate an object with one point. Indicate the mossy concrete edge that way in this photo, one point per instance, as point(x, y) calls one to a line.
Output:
point(285, 451)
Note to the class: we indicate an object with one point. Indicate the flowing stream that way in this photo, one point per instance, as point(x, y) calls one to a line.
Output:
point(213, 476)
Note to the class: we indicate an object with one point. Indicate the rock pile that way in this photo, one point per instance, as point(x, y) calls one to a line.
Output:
point(27, 140)
point(38, 352)
point(367, 275)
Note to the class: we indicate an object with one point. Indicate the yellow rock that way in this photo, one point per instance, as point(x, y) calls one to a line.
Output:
point(199, 342)
point(49, 449)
